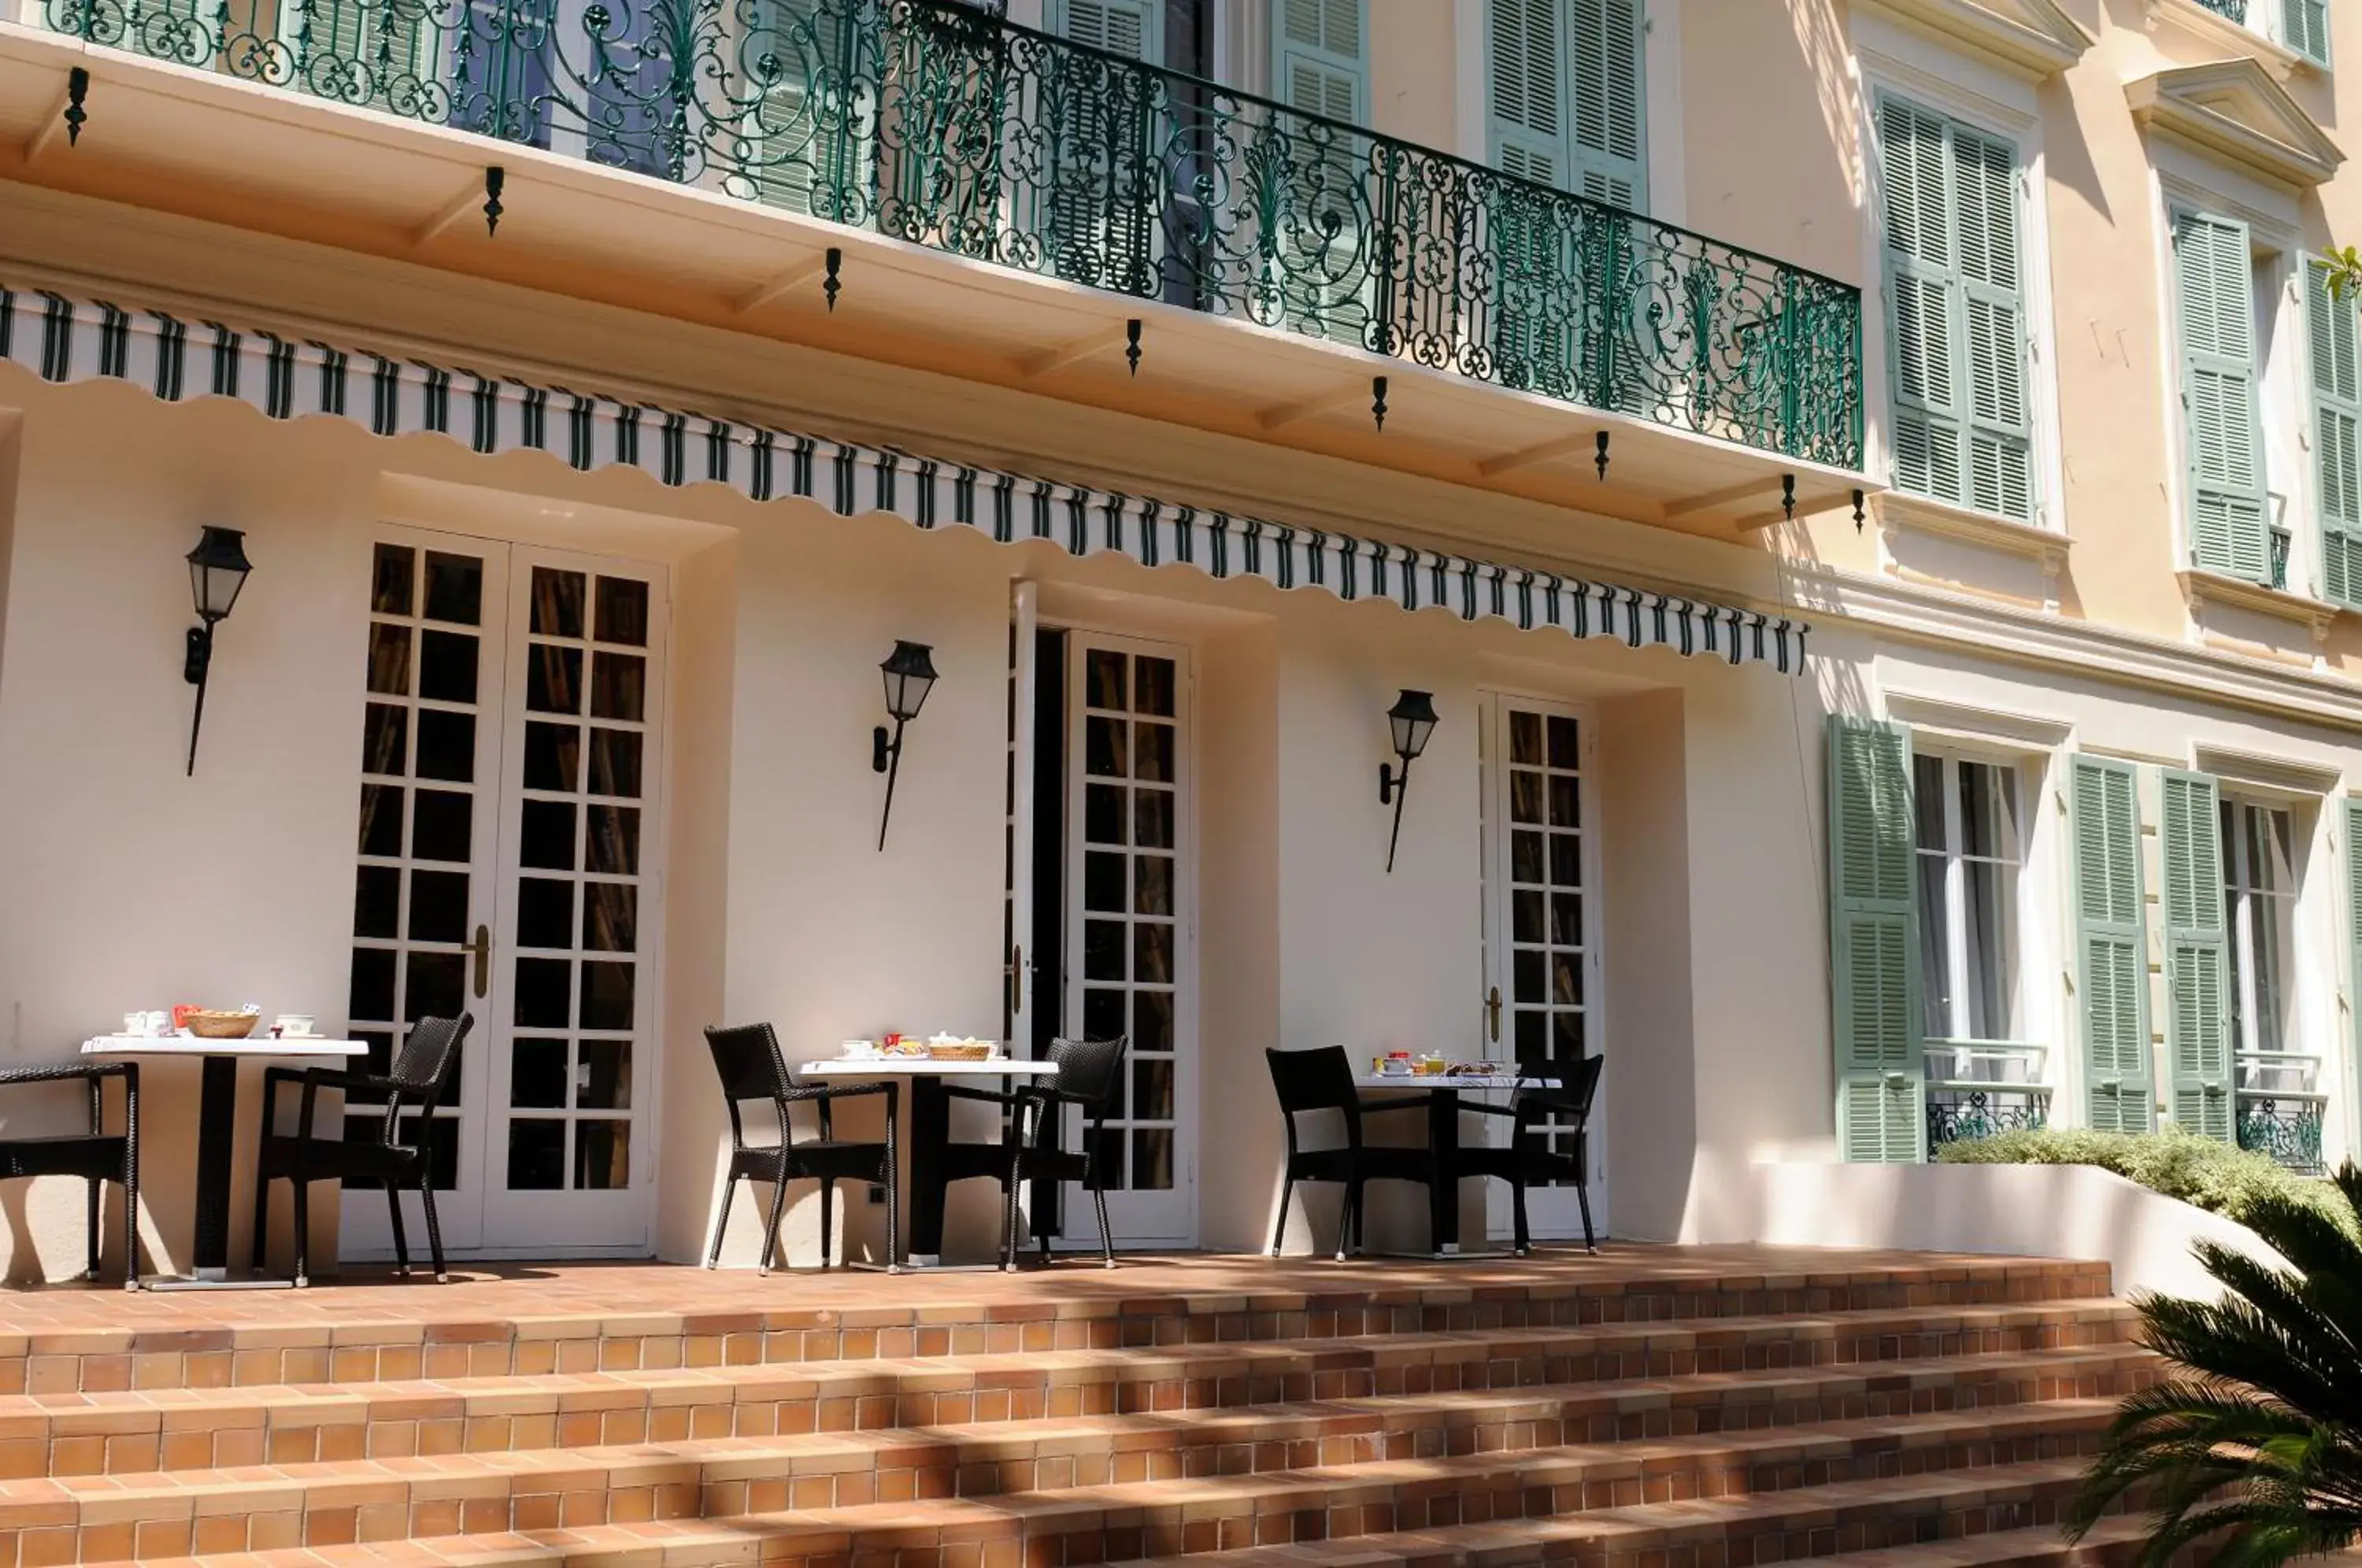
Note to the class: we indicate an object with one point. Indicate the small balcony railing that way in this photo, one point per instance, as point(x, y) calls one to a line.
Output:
point(1978, 1088)
point(2281, 1108)
point(936, 123)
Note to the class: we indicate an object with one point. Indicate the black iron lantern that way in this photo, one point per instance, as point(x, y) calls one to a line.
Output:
point(217, 571)
point(1412, 720)
point(910, 672)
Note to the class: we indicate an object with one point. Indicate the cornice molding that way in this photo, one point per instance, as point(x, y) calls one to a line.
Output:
point(2205, 587)
point(2033, 39)
point(1898, 513)
point(2212, 27)
point(2233, 110)
point(1942, 618)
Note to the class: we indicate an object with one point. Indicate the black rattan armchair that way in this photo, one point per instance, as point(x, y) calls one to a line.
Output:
point(412, 1089)
point(1089, 1073)
point(747, 1058)
point(1322, 1079)
point(97, 1156)
point(1540, 1118)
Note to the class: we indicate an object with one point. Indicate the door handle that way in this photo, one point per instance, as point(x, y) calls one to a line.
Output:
point(1017, 979)
point(483, 948)
point(1493, 1014)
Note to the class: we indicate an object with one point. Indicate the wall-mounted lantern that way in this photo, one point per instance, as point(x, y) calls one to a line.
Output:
point(1412, 720)
point(217, 569)
point(910, 672)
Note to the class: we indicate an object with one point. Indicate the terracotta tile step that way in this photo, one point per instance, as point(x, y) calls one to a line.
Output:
point(1833, 1335)
point(2111, 1541)
point(261, 1507)
point(141, 1343)
point(1120, 1523)
point(185, 1429)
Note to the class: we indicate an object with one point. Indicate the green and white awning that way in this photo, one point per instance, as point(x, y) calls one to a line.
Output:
point(63, 339)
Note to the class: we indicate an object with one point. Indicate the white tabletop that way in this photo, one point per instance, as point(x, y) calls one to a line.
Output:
point(186, 1044)
point(924, 1067)
point(1443, 1081)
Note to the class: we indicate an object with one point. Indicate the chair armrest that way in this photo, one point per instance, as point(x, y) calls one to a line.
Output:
point(1482, 1108)
point(337, 1078)
point(798, 1094)
point(1552, 1102)
point(1414, 1102)
point(66, 1071)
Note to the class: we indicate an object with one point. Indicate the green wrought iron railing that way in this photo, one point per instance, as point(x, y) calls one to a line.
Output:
point(943, 126)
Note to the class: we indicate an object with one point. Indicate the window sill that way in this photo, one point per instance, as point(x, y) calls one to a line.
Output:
point(2209, 26)
point(2205, 587)
point(1919, 513)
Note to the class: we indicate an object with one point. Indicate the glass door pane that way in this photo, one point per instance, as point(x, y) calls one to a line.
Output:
point(428, 824)
point(1127, 965)
point(566, 1152)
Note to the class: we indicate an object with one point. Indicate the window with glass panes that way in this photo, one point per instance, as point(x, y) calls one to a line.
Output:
point(1972, 853)
point(2259, 887)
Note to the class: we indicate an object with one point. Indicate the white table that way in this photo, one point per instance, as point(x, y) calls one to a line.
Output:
point(216, 1135)
point(1443, 1091)
point(930, 1128)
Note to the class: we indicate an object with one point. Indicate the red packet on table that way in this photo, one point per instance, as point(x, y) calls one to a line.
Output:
point(180, 1015)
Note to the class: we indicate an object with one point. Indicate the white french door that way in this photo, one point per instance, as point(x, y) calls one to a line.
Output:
point(512, 753)
point(1130, 967)
point(1542, 961)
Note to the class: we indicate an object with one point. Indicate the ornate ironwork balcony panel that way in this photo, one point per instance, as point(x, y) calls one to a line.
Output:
point(2288, 1129)
point(940, 125)
point(1982, 1112)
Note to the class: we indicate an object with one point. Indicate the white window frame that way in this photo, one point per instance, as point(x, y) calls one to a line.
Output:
point(1899, 63)
point(2283, 373)
point(1953, 860)
point(2240, 896)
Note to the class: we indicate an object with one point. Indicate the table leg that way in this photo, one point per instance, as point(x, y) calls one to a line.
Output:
point(1443, 1195)
point(217, 1136)
point(931, 1128)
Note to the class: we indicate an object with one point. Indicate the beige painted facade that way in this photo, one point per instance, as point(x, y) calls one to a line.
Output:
point(2081, 630)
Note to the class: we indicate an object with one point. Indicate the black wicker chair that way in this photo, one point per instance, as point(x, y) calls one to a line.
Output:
point(1322, 1079)
point(1531, 1157)
point(1089, 1073)
point(748, 1059)
point(97, 1156)
point(412, 1089)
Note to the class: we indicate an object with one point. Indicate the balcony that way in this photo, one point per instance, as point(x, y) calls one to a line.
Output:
point(1978, 1088)
point(2281, 1108)
point(939, 126)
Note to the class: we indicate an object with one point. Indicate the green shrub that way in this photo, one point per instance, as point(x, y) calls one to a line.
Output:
point(2203, 1172)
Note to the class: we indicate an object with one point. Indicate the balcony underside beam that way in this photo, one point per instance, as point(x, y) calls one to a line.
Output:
point(1090, 346)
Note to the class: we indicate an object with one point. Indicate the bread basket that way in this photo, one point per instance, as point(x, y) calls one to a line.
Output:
point(206, 1024)
point(963, 1051)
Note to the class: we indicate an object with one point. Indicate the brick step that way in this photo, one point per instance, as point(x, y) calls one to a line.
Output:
point(376, 1332)
point(113, 1517)
point(193, 1429)
point(2111, 1541)
point(1118, 1524)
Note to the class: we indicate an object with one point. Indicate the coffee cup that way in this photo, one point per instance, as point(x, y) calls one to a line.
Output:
point(293, 1025)
point(858, 1050)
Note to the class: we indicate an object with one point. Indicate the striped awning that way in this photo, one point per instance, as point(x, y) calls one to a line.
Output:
point(287, 377)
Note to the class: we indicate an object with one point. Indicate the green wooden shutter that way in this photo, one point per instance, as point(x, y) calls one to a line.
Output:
point(361, 52)
point(2197, 956)
point(809, 153)
point(2000, 436)
point(1955, 313)
point(2353, 845)
point(1607, 130)
point(1119, 27)
point(2305, 28)
point(1922, 274)
point(2111, 973)
point(2329, 330)
point(2214, 287)
point(1873, 947)
point(1525, 61)
point(1318, 64)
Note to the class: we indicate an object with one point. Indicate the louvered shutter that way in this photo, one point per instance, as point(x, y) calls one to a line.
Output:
point(1317, 249)
point(1957, 318)
point(1119, 27)
point(2111, 973)
point(2331, 335)
point(2352, 846)
point(1104, 124)
point(2197, 956)
point(1607, 129)
point(362, 51)
point(1873, 946)
point(2305, 28)
point(2214, 291)
point(1527, 60)
point(1319, 65)
point(810, 154)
